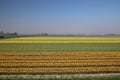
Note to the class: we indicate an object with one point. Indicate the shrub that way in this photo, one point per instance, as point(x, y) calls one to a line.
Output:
point(1, 37)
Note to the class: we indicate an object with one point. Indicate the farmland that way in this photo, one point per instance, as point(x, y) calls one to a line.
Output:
point(58, 55)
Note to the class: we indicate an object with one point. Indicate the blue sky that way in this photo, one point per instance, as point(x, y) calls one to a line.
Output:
point(60, 16)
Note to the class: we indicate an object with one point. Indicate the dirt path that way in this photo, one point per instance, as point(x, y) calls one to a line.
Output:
point(60, 76)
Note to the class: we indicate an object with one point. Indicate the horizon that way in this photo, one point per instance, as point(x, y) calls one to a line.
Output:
point(60, 16)
point(47, 34)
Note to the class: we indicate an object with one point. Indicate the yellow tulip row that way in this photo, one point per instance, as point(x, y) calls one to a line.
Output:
point(108, 53)
point(55, 61)
point(60, 64)
point(57, 57)
point(60, 70)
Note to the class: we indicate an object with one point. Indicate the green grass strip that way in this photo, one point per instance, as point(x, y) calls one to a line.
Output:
point(88, 78)
point(58, 47)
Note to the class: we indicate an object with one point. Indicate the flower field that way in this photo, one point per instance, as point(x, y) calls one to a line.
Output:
point(62, 39)
point(59, 55)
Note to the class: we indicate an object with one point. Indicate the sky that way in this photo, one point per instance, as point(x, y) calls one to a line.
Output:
point(60, 16)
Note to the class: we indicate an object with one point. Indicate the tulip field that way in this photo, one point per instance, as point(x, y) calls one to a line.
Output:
point(41, 55)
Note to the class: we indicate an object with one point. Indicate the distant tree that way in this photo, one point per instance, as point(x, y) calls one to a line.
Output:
point(15, 33)
point(1, 32)
point(46, 34)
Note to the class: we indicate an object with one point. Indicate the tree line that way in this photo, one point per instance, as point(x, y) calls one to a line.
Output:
point(3, 34)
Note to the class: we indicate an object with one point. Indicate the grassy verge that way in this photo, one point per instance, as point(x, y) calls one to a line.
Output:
point(86, 78)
